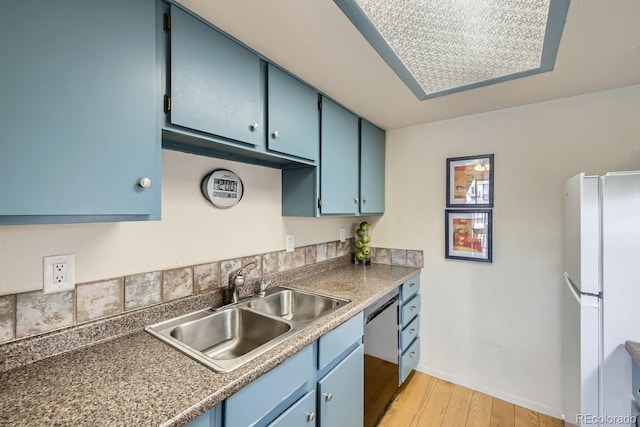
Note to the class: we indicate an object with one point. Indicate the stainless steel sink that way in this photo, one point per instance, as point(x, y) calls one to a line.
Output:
point(294, 305)
point(231, 336)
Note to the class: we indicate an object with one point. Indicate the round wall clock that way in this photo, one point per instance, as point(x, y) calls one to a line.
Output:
point(222, 188)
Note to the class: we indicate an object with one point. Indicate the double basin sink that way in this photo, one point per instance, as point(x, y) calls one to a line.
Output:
point(224, 339)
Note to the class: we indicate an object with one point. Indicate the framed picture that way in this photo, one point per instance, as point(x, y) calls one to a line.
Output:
point(468, 234)
point(470, 181)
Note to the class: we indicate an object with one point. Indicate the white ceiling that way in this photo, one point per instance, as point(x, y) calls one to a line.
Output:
point(599, 50)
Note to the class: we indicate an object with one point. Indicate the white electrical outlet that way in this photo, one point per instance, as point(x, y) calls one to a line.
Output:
point(290, 243)
point(59, 273)
point(343, 235)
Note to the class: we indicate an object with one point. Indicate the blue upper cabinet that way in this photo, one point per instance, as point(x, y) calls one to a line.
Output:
point(372, 152)
point(79, 117)
point(350, 179)
point(338, 160)
point(216, 84)
point(294, 124)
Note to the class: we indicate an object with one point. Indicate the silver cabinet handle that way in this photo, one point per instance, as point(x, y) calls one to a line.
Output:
point(412, 331)
point(328, 397)
point(412, 285)
point(356, 200)
point(144, 182)
point(413, 353)
point(364, 201)
point(413, 307)
point(254, 127)
point(275, 134)
point(311, 416)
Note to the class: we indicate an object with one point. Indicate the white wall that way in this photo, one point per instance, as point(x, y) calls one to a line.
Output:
point(191, 230)
point(496, 327)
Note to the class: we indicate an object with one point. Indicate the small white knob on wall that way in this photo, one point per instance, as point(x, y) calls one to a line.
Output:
point(144, 182)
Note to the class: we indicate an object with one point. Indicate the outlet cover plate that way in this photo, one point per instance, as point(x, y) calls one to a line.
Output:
point(290, 243)
point(343, 235)
point(62, 280)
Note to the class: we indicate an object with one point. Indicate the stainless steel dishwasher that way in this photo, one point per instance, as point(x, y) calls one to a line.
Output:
point(381, 378)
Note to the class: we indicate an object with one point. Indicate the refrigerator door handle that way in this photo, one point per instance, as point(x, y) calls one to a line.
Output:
point(571, 287)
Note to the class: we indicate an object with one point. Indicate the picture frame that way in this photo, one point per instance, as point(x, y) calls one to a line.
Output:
point(470, 181)
point(469, 234)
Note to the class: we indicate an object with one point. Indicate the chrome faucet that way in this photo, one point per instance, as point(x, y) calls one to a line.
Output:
point(263, 285)
point(236, 280)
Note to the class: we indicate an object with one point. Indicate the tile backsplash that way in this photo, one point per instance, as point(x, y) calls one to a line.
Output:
point(34, 313)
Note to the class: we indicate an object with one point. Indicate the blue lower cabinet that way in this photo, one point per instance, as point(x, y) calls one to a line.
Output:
point(302, 391)
point(409, 359)
point(409, 327)
point(302, 413)
point(341, 392)
point(211, 418)
point(256, 401)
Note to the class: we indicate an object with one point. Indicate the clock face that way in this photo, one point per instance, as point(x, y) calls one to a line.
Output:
point(222, 188)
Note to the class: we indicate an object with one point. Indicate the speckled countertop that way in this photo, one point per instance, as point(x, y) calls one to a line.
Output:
point(138, 380)
point(634, 350)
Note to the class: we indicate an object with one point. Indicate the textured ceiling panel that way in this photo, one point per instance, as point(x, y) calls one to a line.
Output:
point(446, 44)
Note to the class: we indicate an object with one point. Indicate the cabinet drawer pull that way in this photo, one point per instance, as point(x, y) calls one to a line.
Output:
point(311, 416)
point(254, 127)
point(144, 182)
point(328, 397)
point(275, 134)
point(356, 200)
point(413, 353)
point(412, 284)
point(412, 331)
point(364, 201)
point(412, 308)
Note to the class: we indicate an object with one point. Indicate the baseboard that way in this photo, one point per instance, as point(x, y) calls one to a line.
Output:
point(517, 400)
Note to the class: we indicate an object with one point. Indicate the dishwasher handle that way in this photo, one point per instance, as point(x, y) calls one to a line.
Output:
point(382, 308)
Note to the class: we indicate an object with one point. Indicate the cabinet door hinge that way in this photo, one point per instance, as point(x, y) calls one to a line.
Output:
point(166, 22)
point(167, 104)
point(319, 202)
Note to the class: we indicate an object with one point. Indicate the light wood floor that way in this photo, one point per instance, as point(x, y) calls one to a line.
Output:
point(426, 401)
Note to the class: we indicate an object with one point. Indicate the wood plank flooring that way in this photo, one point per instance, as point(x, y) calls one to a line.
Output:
point(426, 401)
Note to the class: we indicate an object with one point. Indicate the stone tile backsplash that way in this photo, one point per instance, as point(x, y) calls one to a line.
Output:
point(34, 313)
point(99, 299)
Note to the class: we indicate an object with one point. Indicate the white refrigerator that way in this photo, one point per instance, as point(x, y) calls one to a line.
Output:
point(601, 297)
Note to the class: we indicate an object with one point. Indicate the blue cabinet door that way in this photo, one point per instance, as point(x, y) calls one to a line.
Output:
point(79, 110)
point(338, 160)
point(216, 84)
point(372, 152)
point(302, 413)
point(341, 392)
point(294, 120)
point(211, 418)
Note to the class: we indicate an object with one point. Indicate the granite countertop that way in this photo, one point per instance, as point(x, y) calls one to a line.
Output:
point(634, 350)
point(138, 380)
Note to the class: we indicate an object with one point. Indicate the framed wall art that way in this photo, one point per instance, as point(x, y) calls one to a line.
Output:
point(470, 181)
point(468, 234)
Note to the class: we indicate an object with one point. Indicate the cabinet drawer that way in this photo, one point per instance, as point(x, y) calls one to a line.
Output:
point(409, 310)
point(337, 341)
point(410, 288)
point(409, 333)
point(409, 359)
point(301, 413)
point(257, 399)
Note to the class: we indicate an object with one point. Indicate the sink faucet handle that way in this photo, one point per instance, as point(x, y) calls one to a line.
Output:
point(263, 287)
